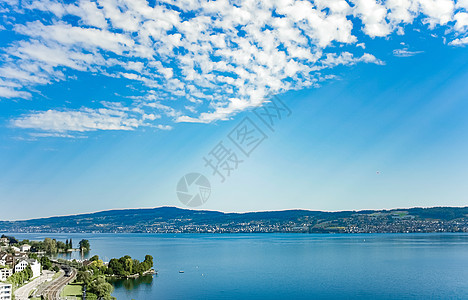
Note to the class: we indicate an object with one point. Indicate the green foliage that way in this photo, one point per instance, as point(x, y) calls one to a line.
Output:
point(46, 263)
point(85, 276)
point(101, 288)
point(94, 258)
point(93, 275)
point(84, 245)
point(126, 266)
point(50, 246)
point(11, 239)
point(20, 277)
point(69, 244)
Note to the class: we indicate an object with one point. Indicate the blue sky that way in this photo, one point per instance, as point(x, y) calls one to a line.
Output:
point(106, 104)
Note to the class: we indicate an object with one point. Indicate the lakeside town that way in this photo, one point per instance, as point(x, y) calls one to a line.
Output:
point(176, 220)
point(32, 270)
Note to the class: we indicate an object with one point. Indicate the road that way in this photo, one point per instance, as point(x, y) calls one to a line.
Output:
point(23, 292)
point(52, 291)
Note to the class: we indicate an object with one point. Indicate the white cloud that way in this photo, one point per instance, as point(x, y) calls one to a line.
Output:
point(461, 20)
point(459, 42)
point(9, 92)
point(164, 127)
point(77, 120)
point(373, 16)
point(362, 45)
point(401, 11)
point(405, 52)
point(200, 61)
point(438, 12)
point(87, 38)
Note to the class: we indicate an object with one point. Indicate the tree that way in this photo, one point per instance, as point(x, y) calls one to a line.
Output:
point(20, 277)
point(61, 246)
point(116, 267)
point(85, 276)
point(84, 245)
point(101, 288)
point(46, 263)
point(50, 246)
point(94, 258)
point(149, 261)
point(29, 272)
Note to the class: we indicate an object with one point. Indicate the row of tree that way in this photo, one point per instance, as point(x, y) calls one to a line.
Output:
point(94, 275)
point(126, 266)
point(20, 277)
point(50, 246)
point(47, 264)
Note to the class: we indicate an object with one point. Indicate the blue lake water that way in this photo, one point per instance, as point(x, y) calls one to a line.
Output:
point(294, 266)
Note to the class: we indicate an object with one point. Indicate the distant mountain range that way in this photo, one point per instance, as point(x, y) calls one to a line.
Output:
point(177, 220)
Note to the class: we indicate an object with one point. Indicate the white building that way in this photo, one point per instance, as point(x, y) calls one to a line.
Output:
point(24, 263)
point(16, 249)
point(5, 273)
point(21, 265)
point(5, 291)
point(35, 267)
point(25, 248)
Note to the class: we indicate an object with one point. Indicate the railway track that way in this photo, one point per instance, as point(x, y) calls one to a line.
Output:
point(52, 292)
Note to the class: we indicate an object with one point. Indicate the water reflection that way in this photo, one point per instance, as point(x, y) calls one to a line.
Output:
point(132, 283)
point(78, 255)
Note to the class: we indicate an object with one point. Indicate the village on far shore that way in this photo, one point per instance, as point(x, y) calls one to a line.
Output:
point(32, 270)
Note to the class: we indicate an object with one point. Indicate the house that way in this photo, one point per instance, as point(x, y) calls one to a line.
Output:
point(4, 241)
point(25, 248)
point(5, 291)
point(5, 273)
point(24, 263)
point(6, 259)
point(16, 249)
point(21, 265)
point(19, 255)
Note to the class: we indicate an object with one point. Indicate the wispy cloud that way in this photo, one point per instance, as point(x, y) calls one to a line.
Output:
point(80, 120)
point(55, 123)
point(212, 58)
point(405, 52)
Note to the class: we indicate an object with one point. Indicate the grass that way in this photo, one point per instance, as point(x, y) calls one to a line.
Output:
point(56, 275)
point(73, 290)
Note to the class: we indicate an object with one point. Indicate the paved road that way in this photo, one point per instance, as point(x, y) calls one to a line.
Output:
point(52, 291)
point(23, 292)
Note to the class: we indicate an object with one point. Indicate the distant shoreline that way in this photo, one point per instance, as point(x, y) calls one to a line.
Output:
point(175, 220)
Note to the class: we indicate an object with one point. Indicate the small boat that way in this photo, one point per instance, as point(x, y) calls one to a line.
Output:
point(181, 271)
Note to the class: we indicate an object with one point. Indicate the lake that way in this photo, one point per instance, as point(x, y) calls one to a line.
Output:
point(294, 266)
